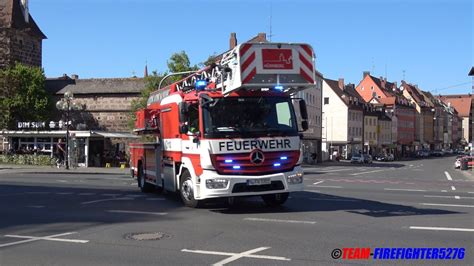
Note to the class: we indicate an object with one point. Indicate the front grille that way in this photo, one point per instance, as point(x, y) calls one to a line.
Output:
point(243, 187)
point(275, 162)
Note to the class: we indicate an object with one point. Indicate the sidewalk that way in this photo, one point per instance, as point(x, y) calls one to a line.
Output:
point(79, 170)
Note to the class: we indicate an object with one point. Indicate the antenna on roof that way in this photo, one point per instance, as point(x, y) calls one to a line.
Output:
point(403, 72)
point(270, 35)
point(373, 65)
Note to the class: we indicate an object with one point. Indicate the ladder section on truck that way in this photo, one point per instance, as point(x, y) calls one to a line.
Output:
point(255, 66)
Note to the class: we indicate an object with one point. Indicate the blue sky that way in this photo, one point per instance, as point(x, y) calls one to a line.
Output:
point(430, 41)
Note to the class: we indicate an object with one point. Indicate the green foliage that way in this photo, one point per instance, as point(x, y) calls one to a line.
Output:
point(26, 159)
point(22, 95)
point(178, 62)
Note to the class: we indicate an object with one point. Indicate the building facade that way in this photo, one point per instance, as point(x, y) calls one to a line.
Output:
point(311, 142)
point(342, 119)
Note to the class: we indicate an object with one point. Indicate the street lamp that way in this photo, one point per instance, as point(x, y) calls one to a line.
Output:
point(67, 104)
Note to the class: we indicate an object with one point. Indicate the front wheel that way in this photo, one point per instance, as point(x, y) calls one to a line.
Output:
point(144, 186)
point(187, 191)
point(274, 200)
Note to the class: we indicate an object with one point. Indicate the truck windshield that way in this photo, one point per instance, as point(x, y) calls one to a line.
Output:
point(256, 116)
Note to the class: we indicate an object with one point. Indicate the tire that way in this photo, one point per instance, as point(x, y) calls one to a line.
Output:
point(274, 200)
point(186, 191)
point(142, 184)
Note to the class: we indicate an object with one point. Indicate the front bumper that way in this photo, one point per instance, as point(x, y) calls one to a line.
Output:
point(237, 184)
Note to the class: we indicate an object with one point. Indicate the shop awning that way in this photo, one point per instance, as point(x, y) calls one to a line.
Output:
point(120, 135)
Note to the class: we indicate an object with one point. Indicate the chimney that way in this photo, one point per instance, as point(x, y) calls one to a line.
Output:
point(262, 37)
point(26, 12)
point(383, 82)
point(341, 83)
point(395, 87)
point(75, 76)
point(145, 74)
point(365, 74)
point(232, 40)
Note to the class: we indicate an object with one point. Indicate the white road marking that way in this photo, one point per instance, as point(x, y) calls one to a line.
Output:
point(64, 193)
point(236, 256)
point(444, 191)
point(405, 189)
point(448, 176)
point(330, 171)
point(102, 200)
point(328, 186)
point(86, 194)
point(33, 238)
point(62, 181)
point(155, 199)
point(331, 199)
point(137, 212)
point(110, 195)
point(38, 192)
point(470, 192)
point(35, 206)
point(368, 172)
point(319, 182)
point(442, 228)
point(278, 221)
point(448, 205)
point(453, 188)
point(447, 197)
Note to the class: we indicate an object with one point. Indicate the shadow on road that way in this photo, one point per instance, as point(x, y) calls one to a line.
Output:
point(317, 202)
point(29, 206)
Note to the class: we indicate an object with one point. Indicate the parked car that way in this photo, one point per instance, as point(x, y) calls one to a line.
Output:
point(357, 158)
point(367, 158)
point(437, 153)
point(457, 162)
point(380, 157)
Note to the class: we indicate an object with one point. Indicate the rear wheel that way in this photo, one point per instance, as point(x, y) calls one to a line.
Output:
point(142, 184)
point(274, 200)
point(187, 191)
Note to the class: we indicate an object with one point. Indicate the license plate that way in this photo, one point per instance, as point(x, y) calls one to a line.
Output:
point(258, 182)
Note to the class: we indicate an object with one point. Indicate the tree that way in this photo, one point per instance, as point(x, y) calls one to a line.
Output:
point(23, 95)
point(178, 62)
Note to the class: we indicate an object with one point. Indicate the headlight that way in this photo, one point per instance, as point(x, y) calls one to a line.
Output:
point(216, 183)
point(295, 178)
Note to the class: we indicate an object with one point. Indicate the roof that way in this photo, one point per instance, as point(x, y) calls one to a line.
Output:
point(103, 86)
point(462, 103)
point(387, 100)
point(471, 73)
point(388, 88)
point(345, 94)
point(416, 94)
point(12, 16)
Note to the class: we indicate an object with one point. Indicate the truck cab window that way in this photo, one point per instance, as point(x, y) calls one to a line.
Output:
point(193, 118)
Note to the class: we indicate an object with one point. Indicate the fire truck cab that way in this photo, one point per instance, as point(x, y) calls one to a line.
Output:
point(229, 129)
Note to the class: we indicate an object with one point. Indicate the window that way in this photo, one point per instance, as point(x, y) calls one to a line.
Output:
point(326, 100)
point(372, 88)
point(362, 88)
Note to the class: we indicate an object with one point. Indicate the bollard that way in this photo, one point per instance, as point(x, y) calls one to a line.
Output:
point(107, 165)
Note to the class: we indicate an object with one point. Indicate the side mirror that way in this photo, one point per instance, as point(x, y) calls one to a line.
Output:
point(304, 125)
point(303, 111)
point(184, 128)
point(183, 111)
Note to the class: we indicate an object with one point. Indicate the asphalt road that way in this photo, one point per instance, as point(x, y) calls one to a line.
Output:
point(54, 218)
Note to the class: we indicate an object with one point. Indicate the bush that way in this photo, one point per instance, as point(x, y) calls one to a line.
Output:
point(26, 159)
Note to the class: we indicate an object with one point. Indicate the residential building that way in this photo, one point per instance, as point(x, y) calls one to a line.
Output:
point(311, 142)
point(464, 105)
point(370, 129)
point(342, 119)
point(384, 132)
point(381, 92)
point(423, 116)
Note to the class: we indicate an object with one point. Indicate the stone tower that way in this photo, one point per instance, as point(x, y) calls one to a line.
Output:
point(20, 38)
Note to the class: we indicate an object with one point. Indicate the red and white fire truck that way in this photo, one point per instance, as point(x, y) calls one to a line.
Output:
point(229, 129)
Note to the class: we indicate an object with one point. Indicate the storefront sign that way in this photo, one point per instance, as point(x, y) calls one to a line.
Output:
point(27, 125)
